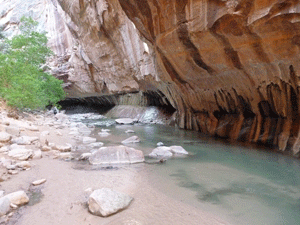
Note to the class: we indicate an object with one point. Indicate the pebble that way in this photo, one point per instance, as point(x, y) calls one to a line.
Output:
point(39, 182)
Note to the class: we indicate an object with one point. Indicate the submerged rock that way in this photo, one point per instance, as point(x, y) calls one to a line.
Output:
point(133, 139)
point(116, 155)
point(105, 202)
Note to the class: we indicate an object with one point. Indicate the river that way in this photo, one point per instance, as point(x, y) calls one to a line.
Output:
point(243, 184)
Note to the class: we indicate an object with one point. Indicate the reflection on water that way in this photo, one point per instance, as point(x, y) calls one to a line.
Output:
point(242, 184)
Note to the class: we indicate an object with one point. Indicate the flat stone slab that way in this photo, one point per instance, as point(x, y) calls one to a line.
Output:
point(105, 202)
point(116, 155)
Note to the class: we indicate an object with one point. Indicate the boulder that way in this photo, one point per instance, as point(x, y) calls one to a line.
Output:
point(20, 153)
point(125, 121)
point(105, 202)
point(88, 140)
point(4, 205)
point(5, 137)
point(178, 150)
point(18, 198)
point(23, 165)
point(133, 139)
point(161, 152)
point(116, 155)
point(24, 140)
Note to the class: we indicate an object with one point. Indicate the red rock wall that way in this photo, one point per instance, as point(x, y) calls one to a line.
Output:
point(231, 68)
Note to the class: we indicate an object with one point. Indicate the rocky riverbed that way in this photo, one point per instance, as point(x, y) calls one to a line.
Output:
point(37, 155)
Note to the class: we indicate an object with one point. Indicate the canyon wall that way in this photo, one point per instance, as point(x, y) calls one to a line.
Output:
point(229, 67)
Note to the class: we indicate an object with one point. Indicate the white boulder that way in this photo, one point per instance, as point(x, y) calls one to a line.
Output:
point(18, 198)
point(125, 121)
point(161, 152)
point(178, 150)
point(116, 155)
point(105, 202)
point(20, 153)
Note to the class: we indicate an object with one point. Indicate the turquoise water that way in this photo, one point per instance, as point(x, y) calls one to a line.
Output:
point(242, 184)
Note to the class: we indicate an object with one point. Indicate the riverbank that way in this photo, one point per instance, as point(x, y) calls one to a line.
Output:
point(62, 198)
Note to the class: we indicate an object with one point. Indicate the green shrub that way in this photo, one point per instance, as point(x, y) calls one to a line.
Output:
point(22, 83)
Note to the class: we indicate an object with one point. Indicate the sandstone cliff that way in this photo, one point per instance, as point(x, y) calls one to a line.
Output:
point(229, 67)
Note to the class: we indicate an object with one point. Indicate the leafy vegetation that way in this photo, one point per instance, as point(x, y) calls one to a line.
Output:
point(23, 83)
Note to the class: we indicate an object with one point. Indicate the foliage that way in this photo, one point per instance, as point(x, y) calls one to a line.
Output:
point(22, 83)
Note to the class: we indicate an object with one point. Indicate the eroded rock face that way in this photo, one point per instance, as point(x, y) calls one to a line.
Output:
point(230, 68)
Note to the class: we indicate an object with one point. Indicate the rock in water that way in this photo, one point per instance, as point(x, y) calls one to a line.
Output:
point(133, 139)
point(125, 121)
point(116, 155)
point(161, 152)
point(105, 202)
point(18, 198)
point(178, 150)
